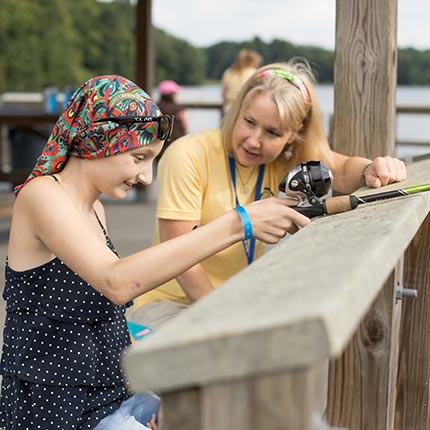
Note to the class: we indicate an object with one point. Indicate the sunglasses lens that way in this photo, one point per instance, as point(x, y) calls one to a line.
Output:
point(165, 128)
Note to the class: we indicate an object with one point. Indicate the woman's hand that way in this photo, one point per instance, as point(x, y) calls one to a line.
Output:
point(273, 218)
point(383, 171)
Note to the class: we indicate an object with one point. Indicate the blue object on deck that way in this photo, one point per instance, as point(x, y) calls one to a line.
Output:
point(50, 99)
point(138, 332)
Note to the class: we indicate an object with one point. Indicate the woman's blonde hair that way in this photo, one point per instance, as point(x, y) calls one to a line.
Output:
point(298, 113)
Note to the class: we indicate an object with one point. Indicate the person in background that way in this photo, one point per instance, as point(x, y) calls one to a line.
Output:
point(274, 124)
point(66, 288)
point(237, 74)
point(168, 104)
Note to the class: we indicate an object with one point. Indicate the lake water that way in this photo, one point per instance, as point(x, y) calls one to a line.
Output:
point(409, 127)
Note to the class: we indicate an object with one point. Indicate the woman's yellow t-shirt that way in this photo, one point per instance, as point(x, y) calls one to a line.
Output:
point(195, 184)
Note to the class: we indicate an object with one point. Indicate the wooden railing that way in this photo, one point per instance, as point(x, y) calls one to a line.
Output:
point(38, 123)
point(401, 110)
point(413, 110)
point(255, 352)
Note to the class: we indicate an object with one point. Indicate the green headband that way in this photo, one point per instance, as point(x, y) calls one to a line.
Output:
point(290, 78)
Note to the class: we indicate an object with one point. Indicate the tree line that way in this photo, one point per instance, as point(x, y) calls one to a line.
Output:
point(63, 42)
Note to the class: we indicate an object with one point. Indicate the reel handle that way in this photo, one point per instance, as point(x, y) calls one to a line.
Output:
point(310, 211)
point(330, 206)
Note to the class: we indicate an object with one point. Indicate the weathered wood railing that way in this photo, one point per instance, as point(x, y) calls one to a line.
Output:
point(254, 353)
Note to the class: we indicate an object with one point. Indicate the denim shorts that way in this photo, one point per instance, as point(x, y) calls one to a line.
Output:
point(133, 414)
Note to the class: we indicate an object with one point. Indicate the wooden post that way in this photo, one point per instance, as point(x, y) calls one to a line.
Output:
point(144, 62)
point(182, 410)
point(145, 46)
point(413, 408)
point(285, 401)
point(362, 382)
point(365, 77)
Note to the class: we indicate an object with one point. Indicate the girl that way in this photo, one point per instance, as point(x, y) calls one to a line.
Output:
point(66, 289)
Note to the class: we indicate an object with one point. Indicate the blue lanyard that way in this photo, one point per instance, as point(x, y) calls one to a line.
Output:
point(248, 251)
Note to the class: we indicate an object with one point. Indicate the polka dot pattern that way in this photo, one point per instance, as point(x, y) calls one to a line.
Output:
point(61, 351)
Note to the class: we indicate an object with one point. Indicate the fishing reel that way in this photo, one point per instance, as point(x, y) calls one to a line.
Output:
point(308, 182)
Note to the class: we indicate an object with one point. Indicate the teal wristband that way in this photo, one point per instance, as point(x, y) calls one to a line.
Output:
point(247, 226)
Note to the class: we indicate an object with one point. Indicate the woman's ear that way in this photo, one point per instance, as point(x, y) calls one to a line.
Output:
point(292, 137)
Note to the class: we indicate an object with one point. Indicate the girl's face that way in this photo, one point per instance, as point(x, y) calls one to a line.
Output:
point(117, 174)
point(258, 137)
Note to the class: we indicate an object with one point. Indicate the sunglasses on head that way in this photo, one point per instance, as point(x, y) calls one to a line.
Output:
point(165, 123)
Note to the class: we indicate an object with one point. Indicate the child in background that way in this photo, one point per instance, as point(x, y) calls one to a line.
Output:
point(168, 105)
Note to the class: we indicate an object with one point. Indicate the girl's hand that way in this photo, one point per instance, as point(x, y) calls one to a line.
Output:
point(384, 171)
point(153, 423)
point(272, 219)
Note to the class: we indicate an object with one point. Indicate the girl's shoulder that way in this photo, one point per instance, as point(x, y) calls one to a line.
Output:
point(38, 191)
point(41, 199)
point(44, 182)
point(34, 211)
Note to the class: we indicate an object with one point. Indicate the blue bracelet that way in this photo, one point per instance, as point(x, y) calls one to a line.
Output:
point(247, 226)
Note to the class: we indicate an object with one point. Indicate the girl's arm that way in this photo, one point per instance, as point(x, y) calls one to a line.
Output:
point(57, 222)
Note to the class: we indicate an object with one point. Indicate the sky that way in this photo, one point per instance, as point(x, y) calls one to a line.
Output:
point(302, 22)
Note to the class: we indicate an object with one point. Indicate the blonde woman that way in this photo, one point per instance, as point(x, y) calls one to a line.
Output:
point(274, 124)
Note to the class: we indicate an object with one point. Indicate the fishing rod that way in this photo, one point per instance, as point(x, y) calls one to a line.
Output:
point(312, 180)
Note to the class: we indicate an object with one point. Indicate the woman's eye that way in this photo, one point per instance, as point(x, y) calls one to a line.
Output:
point(275, 133)
point(249, 121)
point(139, 157)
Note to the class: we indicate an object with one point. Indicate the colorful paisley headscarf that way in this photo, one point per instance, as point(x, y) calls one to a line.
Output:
point(77, 133)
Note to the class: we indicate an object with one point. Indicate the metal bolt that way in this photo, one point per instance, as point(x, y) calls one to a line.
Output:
point(294, 183)
point(405, 293)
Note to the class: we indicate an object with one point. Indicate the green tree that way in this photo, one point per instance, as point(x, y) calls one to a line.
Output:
point(178, 60)
point(117, 47)
point(35, 55)
point(60, 42)
point(414, 67)
point(222, 55)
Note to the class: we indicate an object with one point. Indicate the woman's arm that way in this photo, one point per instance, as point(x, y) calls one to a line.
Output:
point(351, 173)
point(195, 282)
